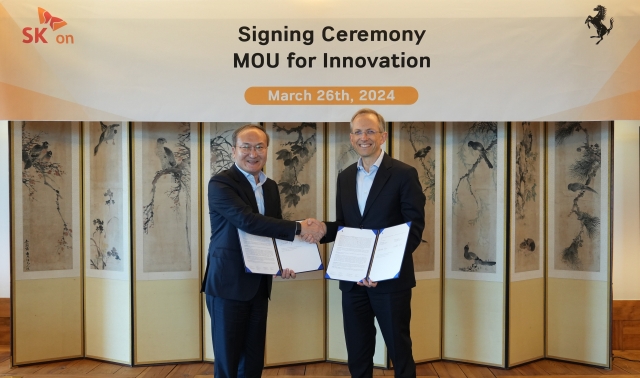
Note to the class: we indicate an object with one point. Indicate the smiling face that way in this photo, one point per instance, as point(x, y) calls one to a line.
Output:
point(252, 160)
point(367, 146)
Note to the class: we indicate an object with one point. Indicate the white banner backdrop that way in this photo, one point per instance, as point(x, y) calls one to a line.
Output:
point(202, 60)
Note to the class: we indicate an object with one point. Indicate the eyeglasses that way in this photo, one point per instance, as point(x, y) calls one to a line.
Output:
point(368, 132)
point(246, 148)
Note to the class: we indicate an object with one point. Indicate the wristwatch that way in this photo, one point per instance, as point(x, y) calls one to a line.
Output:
point(298, 228)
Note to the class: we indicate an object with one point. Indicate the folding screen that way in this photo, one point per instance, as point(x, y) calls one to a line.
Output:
point(579, 244)
point(296, 322)
point(419, 144)
point(46, 202)
point(474, 242)
point(527, 243)
point(167, 300)
point(340, 154)
point(107, 242)
point(216, 157)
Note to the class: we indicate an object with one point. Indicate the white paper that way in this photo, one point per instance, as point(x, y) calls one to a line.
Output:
point(389, 253)
point(259, 253)
point(298, 255)
point(351, 254)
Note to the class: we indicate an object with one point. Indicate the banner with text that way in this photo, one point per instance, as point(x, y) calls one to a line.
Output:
point(319, 60)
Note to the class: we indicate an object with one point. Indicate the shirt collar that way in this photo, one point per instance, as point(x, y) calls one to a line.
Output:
point(375, 164)
point(262, 178)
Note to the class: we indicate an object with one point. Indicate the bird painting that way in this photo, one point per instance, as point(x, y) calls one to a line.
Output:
point(422, 153)
point(108, 132)
point(528, 245)
point(473, 257)
point(577, 187)
point(167, 159)
point(480, 148)
point(47, 157)
point(36, 153)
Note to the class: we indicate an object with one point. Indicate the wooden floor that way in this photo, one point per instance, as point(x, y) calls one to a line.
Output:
point(96, 369)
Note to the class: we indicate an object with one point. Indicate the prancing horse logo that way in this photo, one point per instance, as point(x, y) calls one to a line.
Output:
point(597, 22)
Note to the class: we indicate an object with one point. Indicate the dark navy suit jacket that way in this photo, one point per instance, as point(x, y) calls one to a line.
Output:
point(233, 206)
point(395, 197)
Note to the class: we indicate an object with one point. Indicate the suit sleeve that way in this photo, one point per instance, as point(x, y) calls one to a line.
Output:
point(412, 201)
point(225, 200)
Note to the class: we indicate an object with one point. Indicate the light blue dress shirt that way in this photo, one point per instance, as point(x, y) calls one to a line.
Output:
point(257, 188)
point(364, 181)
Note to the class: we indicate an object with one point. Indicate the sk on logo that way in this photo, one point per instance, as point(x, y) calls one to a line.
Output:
point(36, 35)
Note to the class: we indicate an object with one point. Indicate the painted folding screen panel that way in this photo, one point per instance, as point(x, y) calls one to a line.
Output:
point(46, 210)
point(217, 156)
point(107, 241)
point(527, 242)
point(419, 144)
point(579, 244)
point(340, 154)
point(474, 241)
point(167, 243)
point(296, 162)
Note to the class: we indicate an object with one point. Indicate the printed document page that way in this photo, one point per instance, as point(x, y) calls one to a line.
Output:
point(298, 255)
point(351, 254)
point(259, 253)
point(387, 258)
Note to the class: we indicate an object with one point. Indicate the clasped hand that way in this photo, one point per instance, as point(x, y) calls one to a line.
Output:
point(312, 230)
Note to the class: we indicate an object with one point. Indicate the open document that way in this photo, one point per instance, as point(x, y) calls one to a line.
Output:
point(361, 253)
point(264, 255)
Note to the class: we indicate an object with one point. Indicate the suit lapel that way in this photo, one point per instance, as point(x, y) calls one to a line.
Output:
point(350, 186)
point(246, 187)
point(379, 181)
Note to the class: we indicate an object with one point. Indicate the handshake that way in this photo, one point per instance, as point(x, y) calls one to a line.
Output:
point(312, 230)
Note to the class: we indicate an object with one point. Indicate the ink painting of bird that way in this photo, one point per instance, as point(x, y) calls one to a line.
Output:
point(477, 146)
point(107, 134)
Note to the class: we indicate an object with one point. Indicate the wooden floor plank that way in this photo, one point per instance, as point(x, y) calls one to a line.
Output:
point(504, 372)
point(186, 370)
point(206, 369)
point(631, 367)
point(340, 370)
point(615, 370)
point(77, 367)
point(51, 367)
point(105, 368)
point(579, 369)
point(5, 366)
point(157, 371)
point(530, 369)
point(447, 369)
point(30, 369)
point(553, 367)
point(474, 371)
point(426, 370)
point(128, 371)
point(292, 370)
point(268, 372)
point(318, 369)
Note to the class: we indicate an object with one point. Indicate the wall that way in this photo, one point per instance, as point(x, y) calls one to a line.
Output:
point(5, 232)
point(626, 211)
point(626, 219)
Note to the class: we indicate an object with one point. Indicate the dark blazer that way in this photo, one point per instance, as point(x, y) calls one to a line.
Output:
point(396, 197)
point(233, 206)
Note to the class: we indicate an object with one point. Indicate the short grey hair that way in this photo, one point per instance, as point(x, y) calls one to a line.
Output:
point(234, 136)
point(381, 122)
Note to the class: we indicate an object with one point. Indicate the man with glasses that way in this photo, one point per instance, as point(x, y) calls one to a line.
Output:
point(242, 197)
point(378, 192)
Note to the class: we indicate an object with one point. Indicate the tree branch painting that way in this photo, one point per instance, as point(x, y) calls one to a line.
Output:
point(579, 164)
point(46, 151)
